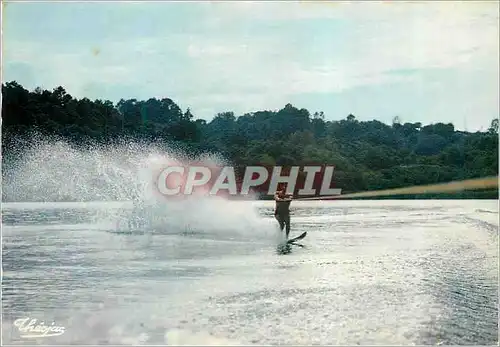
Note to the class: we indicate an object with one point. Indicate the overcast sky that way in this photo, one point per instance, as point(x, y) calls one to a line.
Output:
point(430, 62)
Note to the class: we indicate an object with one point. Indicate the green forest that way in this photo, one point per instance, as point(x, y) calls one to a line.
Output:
point(368, 155)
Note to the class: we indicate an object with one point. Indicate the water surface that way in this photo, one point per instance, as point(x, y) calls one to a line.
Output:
point(371, 272)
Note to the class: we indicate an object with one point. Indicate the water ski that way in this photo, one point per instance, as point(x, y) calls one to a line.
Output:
point(300, 237)
point(286, 247)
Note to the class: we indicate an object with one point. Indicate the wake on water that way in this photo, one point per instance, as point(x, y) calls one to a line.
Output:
point(51, 170)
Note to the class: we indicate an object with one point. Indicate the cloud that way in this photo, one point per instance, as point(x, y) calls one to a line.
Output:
point(244, 56)
point(381, 39)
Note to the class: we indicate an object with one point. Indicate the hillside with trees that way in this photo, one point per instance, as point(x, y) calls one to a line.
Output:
point(368, 155)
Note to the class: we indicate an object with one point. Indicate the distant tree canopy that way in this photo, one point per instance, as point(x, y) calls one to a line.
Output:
point(367, 155)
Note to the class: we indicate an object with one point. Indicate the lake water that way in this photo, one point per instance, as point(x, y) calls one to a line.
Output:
point(370, 272)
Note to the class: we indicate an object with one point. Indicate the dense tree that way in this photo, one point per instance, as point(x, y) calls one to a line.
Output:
point(367, 155)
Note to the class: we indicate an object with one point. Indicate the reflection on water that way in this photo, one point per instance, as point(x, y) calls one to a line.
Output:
point(371, 273)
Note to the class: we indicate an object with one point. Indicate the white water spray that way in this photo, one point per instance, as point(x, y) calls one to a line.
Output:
point(53, 170)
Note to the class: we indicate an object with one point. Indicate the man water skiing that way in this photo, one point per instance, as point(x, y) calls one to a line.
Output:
point(282, 209)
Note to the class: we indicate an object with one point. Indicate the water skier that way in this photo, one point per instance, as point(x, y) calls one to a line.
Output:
point(282, 209)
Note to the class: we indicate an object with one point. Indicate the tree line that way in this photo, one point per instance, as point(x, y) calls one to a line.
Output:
point(368, 155)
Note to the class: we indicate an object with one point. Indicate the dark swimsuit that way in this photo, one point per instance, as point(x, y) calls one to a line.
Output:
point(282, 214)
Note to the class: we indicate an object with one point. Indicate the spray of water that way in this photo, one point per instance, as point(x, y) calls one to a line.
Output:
point(53, 170)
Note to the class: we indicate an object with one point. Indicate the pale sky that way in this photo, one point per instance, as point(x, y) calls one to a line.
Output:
point(428, 62)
